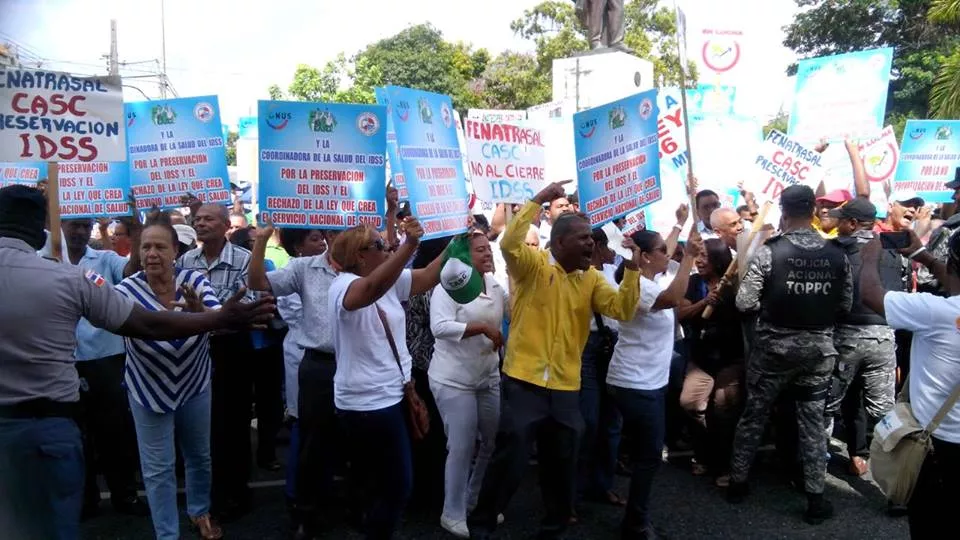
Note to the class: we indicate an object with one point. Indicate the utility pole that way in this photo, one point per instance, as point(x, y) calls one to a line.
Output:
point(114, 68)
point(163, 51)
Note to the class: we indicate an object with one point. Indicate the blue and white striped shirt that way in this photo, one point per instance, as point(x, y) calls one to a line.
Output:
point(161, 375)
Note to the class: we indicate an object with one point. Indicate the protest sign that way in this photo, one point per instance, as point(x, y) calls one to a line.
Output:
point(497, 116)
point(86, 189)
point(176, 148)
point(462, 144)
point(708, 99)
point(51, 116)
point(617, 152)
point(506, 161)
point(670, 130)
point(880, 156)
point(555, 121)
point(322, 165)
point(841, 97)
point(725, 149)
point(394, 165)
point(781, 162)
point(929, 157)
point(428, 148)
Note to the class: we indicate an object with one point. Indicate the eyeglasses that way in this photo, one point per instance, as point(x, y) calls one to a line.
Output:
point(378, 244)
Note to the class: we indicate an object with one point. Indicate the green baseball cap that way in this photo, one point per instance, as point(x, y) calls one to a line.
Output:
point(458, 276)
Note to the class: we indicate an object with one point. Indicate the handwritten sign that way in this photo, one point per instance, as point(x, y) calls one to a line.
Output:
point(52, 116)
point(428, 148)
point(507, 161)
point(87, 189)
point(322, 165)
point(177, 147)
point(395, 167)
point(842, 96)
point(929, 157)
point(555, 121)
point(497, 116)
point(782, 162)
point(617, 151)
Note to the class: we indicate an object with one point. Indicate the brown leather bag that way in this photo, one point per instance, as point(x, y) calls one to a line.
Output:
point(418, 418)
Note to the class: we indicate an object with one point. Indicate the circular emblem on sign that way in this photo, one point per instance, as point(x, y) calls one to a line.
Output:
point(880, 162)
point(646, 109)
point(203, 112)
point(368, 123)
point(445, 115)
point(720, 56)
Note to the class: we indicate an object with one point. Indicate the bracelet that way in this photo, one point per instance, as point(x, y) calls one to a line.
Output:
point(917, 252)
point(678, 226)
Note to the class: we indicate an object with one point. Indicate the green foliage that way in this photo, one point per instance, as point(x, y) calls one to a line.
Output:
point(780, 122)
point(512, 81)
point(232, 137)
point(945, 94)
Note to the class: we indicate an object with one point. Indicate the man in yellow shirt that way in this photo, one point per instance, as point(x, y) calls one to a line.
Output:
point(556, 295)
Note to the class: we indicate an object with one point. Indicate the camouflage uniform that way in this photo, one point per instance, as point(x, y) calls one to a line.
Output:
point(785, 358)
point(937, 245)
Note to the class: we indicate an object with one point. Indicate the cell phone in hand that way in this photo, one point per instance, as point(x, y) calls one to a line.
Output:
point(895, 240)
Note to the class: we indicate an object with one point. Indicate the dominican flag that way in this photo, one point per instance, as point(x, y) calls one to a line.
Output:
point(95, 278)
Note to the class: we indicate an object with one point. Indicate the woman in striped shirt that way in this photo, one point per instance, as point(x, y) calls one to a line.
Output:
point(168, 386)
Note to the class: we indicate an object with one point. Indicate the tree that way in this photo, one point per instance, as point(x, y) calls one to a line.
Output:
point(826, 27)
point(780, 122)
point(232, 137)
point(945, 93)
point(512, 81)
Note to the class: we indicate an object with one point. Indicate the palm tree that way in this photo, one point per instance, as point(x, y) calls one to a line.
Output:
point(945, 94)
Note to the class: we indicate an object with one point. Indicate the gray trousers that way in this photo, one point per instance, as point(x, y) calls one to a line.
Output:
point(769, 374)
point(467, 415)
point(604, 22)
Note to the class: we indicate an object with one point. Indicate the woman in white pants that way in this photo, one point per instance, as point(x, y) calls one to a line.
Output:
point(465, 381)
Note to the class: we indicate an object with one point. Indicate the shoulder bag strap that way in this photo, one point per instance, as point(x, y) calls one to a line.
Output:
point(393, 344)
point(944, 409)
point(600, 326)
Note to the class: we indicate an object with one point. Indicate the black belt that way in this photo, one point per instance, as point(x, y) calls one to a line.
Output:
point(40, 408)
point(319, 356)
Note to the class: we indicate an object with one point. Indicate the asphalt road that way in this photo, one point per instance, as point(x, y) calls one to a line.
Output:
point(684, 507)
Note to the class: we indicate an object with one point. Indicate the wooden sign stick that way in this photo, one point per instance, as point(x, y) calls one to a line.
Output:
point(728, 276)
point(53, 209)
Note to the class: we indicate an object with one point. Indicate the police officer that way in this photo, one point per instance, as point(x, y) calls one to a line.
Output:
point(41, 456)
point(801, 284)
point(862, 338)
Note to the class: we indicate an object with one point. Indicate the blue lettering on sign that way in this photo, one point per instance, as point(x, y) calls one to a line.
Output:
point(503, 189)
point(670, 101)
point(680, 160)
point(500, 151)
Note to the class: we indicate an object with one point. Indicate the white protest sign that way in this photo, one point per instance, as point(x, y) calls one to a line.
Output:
point(494, 115)
point(880, 156)
point(506, 161)
point(555, 120)
point(781, 162)
point(52, 116)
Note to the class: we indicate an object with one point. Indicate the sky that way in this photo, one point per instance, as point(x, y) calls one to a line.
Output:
point(237, 48)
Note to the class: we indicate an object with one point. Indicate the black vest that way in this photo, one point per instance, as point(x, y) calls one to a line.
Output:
point(805, 286)
point(891, 277)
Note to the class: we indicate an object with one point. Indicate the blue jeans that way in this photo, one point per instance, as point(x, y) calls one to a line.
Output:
point(602, 424)
point(380, 446)
point(644, 418)
point(41, 478)
point(155, 437)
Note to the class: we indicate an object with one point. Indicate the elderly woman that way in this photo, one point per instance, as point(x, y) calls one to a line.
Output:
point(465, 381)
point(169, 386)
point(373, 363)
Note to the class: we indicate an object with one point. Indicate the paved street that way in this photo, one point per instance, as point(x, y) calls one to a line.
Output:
point(685, 507)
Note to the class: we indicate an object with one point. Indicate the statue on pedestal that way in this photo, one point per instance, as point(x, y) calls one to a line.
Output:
point(603, 20)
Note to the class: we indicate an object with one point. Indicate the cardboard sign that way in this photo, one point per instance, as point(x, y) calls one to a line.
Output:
point(507, 161)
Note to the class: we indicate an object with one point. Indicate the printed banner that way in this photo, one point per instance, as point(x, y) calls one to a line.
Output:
point(176, 148)
point(781, 162)
point(247, 127)
point(929, 157)
point(87, 189)
point(497, 116)
point(52, 116)
point(719, 53)
point(708, 99)
point(880, 156)
point(724, 149)
point(322, 165)
point(394, 166)
point(671, 132)
point(841, 97)
point(429, 150)
point(507, 161)
point(618, 163)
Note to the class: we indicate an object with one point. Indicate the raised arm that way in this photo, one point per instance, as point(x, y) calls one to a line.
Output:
point(673, 295)
point(368, 289)
point(258, 271)
point(424, 279)
point(522, 260)
point(751, 286)
point(860, 183)
point(620, 304)
point(683, 212)
point(393, 198)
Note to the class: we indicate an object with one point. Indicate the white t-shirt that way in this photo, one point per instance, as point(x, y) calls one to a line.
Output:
point(368, 378)
point(461, 362)
point(934, 354)
point(641, 359)
point(608, 272)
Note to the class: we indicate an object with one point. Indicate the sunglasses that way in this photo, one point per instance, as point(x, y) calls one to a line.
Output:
point(379, 245)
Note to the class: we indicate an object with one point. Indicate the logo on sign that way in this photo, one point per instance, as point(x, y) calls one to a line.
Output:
point(720, 56)
point(203, 112)
point(403, 110)
point(646, 109)
point(163, 115)
point(880, 162)
point(918, 133)
point(617, 118)
point(587, 129)
point(944, 133)
point(445, 115)
point(131, 118)
point(322, 121)
point(426, 113)
point(368, 124)
point(279, 119)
